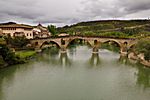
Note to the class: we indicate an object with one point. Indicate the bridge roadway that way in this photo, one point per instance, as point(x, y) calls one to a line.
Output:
point(94, 41)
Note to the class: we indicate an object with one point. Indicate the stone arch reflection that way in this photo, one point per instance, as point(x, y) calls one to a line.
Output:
point(94, 61)
point(123, 59)
point(64, 60)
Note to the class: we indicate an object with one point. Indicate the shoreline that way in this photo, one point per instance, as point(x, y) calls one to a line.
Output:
point(24, 57)
point(139, 58)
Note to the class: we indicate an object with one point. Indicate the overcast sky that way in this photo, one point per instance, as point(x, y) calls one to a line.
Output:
point(62, 12)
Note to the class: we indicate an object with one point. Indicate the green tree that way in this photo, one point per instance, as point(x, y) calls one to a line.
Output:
point(18, 42)
point(8, 56)
point(52, 29)
point(143, 46)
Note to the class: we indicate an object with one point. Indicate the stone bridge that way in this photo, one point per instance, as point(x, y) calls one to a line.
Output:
point(95, 41)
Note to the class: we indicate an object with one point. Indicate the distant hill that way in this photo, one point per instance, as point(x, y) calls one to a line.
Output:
point(127, 27)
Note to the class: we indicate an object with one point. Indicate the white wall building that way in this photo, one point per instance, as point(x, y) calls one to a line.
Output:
point(29, 32)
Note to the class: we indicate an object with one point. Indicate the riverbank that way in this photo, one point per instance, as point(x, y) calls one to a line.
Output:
point(22, 57)
point(140, 58)
point(25, 54)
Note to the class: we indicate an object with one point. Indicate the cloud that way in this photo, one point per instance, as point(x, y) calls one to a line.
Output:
point(44, 11)
point(114, 8)
point(71, 11)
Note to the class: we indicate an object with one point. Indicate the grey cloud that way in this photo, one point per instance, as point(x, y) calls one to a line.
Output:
point(44, 11)
point(71, 11)
point(114, 8)
point(18, 9)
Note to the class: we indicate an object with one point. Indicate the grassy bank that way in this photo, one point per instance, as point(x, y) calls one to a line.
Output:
point(25, 54)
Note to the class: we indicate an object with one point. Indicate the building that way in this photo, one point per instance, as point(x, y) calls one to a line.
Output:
point(41, 32)
point(28, 31)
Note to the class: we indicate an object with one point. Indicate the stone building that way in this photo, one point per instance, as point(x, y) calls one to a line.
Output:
point(28, 31)
point(40, 31)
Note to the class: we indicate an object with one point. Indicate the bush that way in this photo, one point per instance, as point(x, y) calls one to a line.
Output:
point(17, 42)
point(8, 56)
point(143, 46)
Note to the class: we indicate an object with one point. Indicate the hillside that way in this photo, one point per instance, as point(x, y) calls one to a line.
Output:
point(109, 27)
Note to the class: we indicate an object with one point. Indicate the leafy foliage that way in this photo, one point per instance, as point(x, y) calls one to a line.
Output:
point(8, 55)
point(18, 42)
point(143, 46)
point(52, 29)
point(127, 28)
point(132, 31)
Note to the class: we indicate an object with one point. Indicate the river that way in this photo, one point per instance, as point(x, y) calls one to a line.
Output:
point(76, 75)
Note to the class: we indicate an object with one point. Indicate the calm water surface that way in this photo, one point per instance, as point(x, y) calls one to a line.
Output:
point(76, 75)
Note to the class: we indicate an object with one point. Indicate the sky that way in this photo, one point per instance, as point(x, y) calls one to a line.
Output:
point(66, 12)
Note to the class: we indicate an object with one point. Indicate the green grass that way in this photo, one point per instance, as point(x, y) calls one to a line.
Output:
point(25, 54)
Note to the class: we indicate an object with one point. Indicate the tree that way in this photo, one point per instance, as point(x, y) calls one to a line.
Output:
point(52, 29)
point(8, 55)
point(143, 46)
point(18, 41)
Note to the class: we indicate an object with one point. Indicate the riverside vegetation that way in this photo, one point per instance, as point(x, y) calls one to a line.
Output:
point(113, 28)
point(10, 57)
point(109, 28)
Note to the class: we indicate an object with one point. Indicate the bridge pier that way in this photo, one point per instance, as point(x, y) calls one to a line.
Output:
point(95, 60)
point(96, 46)
point(63, 49)
point(124, 50)
point(95, 50)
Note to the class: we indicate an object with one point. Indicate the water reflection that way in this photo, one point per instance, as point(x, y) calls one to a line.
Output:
point(43, 75)
point(124, 60)
point(6, 79)
point(142, 74)
point(49, 56)
point(94, 61)
point(143, 77)
point(64, 60)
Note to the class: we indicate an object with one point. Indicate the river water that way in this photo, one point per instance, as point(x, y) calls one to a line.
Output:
point(76, 75)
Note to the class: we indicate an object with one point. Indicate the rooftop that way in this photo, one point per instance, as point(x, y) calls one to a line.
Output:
point(14, 25)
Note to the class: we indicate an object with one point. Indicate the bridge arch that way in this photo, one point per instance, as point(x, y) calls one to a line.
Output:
point(48, 42)
point(94, 42)
point(110, 40)
point(44, 43)
point(71, 40)
point(132, 45)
